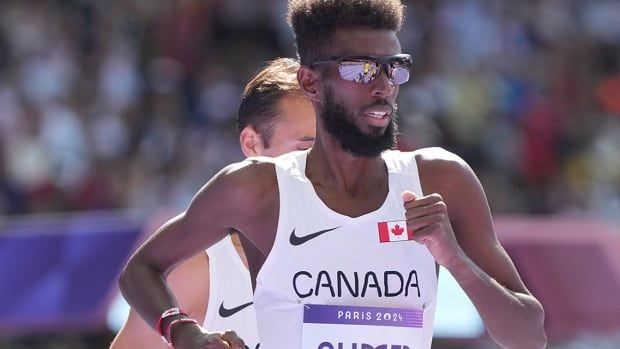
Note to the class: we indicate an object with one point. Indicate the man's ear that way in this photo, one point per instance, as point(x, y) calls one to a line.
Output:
point(308, 82)
point(251, 142)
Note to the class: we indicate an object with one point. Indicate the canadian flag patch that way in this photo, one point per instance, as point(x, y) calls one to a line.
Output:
point(394, 231)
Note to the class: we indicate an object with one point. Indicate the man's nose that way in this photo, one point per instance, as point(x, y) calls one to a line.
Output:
point(383, 86)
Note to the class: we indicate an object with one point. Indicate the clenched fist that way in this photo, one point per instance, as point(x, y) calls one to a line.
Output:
point(427, 217)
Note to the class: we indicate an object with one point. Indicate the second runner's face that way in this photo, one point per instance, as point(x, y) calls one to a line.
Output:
point(294, 128)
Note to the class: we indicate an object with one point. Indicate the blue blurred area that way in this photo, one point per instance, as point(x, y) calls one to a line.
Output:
point(59, 273)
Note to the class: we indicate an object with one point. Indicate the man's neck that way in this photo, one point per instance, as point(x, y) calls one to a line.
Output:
point(330, 166)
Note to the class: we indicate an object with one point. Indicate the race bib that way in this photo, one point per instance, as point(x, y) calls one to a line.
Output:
point(353, 327)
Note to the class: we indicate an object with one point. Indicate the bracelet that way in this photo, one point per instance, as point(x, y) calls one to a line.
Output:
point(166, 314)
point(176, 322)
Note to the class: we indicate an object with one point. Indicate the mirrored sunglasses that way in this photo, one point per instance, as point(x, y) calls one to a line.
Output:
point(365, 69)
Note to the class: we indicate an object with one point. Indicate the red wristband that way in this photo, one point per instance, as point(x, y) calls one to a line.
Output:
point(176, 322)
point(166, 314)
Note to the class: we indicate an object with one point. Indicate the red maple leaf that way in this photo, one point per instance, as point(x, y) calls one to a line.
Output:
point(398, 231)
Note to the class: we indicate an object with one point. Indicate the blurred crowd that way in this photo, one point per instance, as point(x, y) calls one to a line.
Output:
point(132, 104)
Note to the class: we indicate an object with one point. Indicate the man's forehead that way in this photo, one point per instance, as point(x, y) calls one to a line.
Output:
point(293, 108)
point(363, 41)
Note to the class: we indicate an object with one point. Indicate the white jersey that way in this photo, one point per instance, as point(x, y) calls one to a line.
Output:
point(330, 282)
point(230, 294)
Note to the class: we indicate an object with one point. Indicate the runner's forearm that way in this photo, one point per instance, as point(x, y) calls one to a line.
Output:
point(513, 319)
point(145, 289)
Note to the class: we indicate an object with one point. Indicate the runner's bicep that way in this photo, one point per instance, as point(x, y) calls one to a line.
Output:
point(473, 226)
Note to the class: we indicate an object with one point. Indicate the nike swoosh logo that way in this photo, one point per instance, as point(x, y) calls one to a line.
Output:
point(298, 240)
point(232, 311)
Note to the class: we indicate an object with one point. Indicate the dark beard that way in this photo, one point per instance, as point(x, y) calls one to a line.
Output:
point(351, 139)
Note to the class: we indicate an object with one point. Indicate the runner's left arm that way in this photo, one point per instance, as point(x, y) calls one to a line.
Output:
point(454, 222)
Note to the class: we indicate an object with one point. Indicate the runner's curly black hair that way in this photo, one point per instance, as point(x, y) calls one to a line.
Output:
point(314, 21)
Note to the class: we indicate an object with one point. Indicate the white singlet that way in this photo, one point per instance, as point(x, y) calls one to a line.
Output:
point(330, 282)
point(230, 294)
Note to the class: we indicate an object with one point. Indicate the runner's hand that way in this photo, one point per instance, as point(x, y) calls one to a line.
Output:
point(191, 336)
point(427, 217)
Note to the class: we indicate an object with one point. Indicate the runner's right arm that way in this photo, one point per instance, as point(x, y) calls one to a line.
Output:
point(243, 197)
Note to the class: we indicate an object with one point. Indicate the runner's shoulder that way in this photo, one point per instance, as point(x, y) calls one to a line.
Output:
point(438, 157)
point(255, 175)
point(253, 166)
point(441, 165)
point(243, 189)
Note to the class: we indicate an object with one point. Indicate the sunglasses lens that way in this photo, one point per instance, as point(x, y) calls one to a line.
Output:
point(358, 71)
point(400, 74)
point(366, 70)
